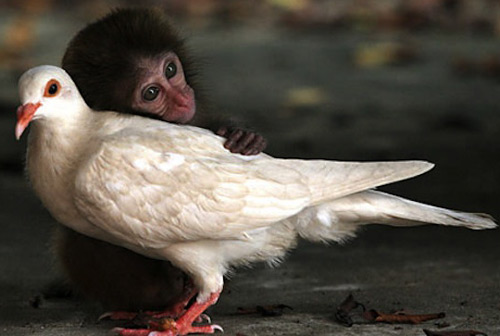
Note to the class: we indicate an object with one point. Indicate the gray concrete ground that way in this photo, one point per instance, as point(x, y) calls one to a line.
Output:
point(421, 110)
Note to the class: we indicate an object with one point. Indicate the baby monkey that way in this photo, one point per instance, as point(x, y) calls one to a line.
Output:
point(133, 61)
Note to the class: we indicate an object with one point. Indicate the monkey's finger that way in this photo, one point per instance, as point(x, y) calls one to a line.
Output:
point(222, 131)
point(262, 144)
point(232, 140)
point(253, 148)
point(256, 146)
point(244, 142)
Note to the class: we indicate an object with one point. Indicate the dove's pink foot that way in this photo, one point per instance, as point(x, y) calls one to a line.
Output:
point(173, 311)
point(182, 326)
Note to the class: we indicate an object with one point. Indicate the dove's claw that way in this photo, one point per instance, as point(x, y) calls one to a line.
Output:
point(217, 327)
point(204, 318)
point(182, 326)
point(171, 331)
point(172, 311)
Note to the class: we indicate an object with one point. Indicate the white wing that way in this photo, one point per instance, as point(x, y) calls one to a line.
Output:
point(168, 184)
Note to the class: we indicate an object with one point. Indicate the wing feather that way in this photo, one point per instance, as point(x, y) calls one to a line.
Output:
point(126, 188)
point(159, 183)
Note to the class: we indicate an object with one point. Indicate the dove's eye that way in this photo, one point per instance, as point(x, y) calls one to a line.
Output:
point(52, 88)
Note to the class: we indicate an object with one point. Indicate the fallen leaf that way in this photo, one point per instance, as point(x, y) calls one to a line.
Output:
point(374, 316)
point(454, 333)
point(342, 315)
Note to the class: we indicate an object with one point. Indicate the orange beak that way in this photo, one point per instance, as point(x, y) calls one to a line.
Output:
point(24, 115)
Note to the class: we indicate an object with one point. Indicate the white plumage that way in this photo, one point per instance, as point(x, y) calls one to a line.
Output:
point(173, 192)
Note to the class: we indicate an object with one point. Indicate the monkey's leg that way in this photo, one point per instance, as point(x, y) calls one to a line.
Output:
point(182, 326)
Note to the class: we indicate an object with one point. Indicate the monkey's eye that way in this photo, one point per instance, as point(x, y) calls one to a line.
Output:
point(52, 88)
point(170, 70)
point(150, 93)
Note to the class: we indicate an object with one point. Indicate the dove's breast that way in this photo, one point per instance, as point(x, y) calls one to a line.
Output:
point(51, 162)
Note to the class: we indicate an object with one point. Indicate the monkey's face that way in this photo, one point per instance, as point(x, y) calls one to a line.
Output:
point(161, 89)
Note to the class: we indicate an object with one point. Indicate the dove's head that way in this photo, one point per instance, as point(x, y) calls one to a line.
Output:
point(46, 92)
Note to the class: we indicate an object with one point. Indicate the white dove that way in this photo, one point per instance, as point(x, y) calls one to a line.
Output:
point(173, 192)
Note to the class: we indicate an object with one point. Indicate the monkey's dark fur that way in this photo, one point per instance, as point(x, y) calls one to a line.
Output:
point(102, 57)
point(116, 277)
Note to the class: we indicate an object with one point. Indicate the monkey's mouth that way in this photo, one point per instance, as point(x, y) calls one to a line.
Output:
point(183, 108)
point(182, 114)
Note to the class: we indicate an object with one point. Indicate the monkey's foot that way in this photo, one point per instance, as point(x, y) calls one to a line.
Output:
point(182, 326)
point(174, 311)
point(121, 315)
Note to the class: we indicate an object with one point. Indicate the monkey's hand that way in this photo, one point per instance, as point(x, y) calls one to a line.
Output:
point(242, 141)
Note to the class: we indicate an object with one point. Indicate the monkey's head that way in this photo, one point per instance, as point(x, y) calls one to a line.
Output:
point(130, 61)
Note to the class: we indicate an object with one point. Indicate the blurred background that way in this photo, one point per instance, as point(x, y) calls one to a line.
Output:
point(346, 80)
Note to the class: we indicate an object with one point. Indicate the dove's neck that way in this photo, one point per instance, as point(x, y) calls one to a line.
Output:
point(55, 149)
point(60, 138)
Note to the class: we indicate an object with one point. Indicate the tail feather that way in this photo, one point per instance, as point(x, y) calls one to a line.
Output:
point(388, 209)
point(339, 219)
point(328, 180)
